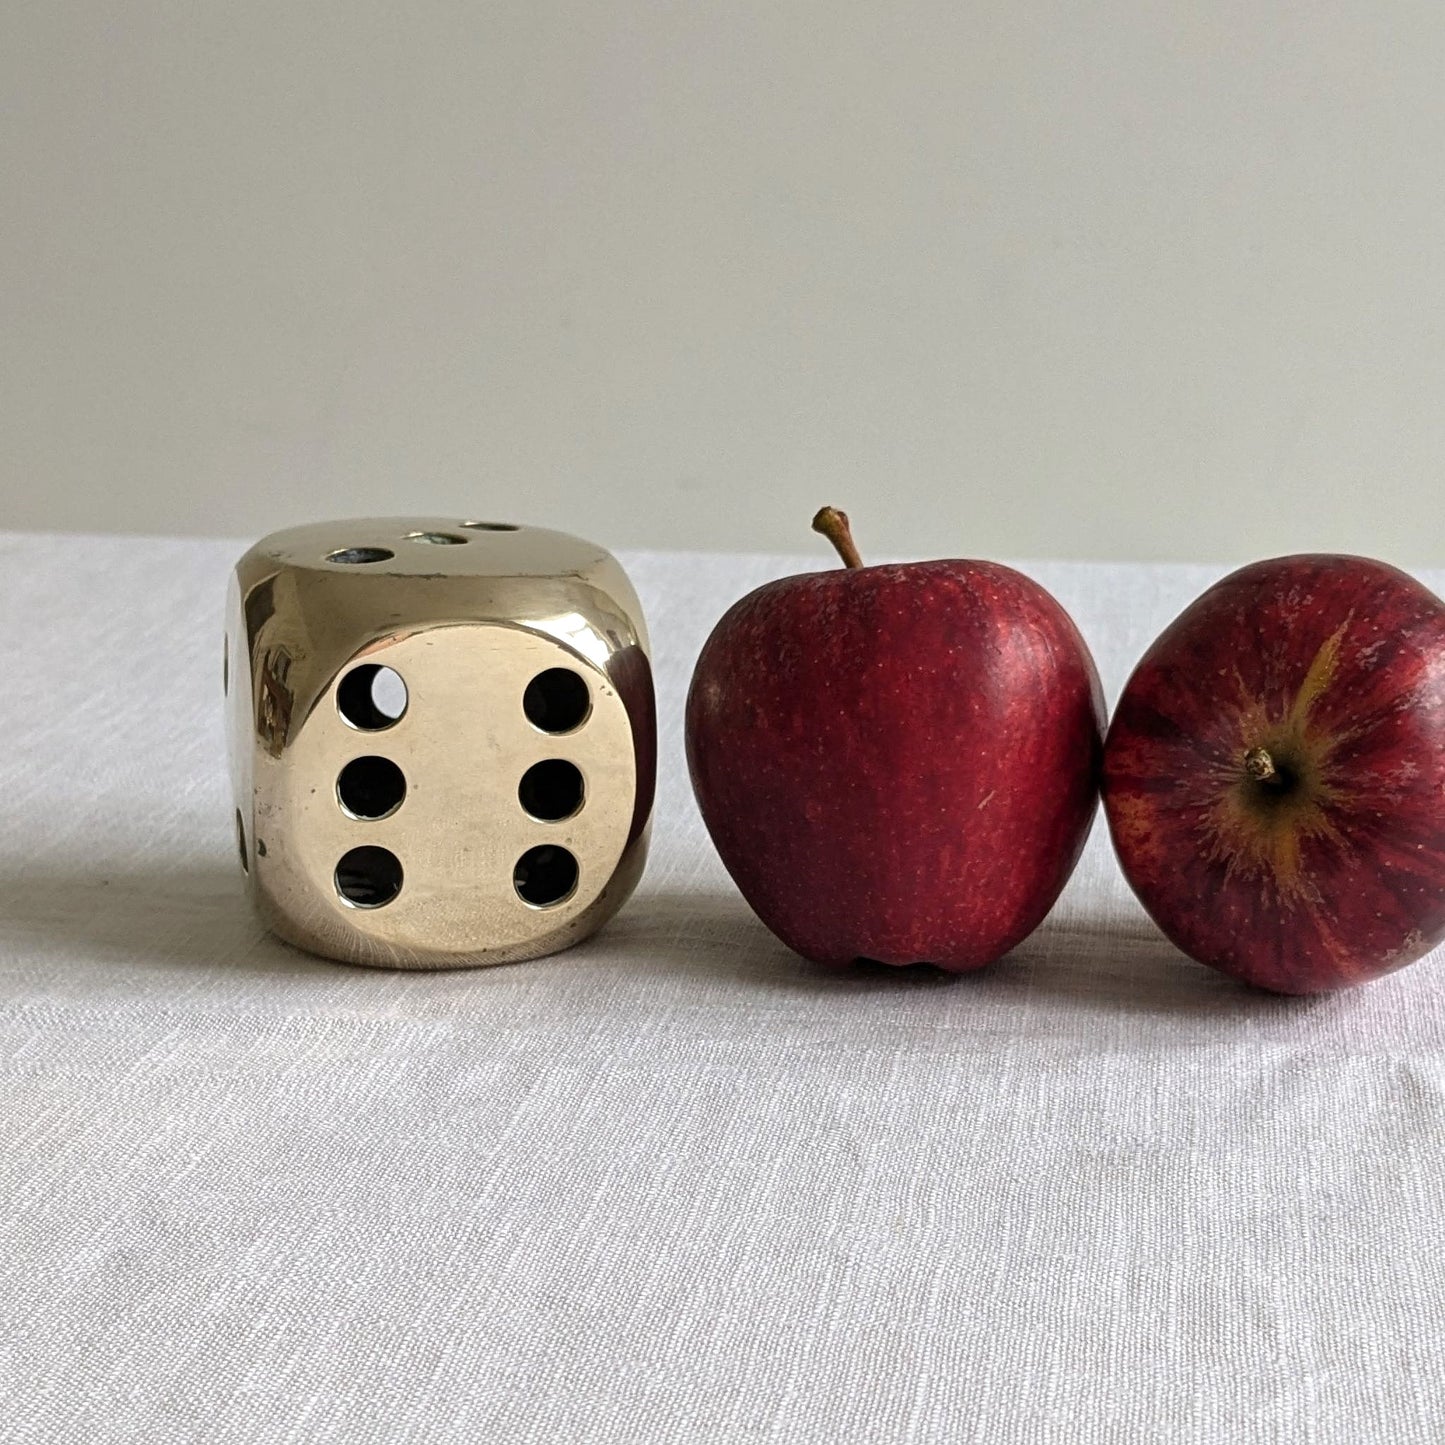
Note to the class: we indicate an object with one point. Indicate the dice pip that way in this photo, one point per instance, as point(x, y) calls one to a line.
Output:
point(442, 738)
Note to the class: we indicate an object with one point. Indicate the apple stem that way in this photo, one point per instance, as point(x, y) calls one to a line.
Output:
point(833, 524)
point(1259, 765)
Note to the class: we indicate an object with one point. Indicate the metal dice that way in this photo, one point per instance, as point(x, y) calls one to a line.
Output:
point(442, 737)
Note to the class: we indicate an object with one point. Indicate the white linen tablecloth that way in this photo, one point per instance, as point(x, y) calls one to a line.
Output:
point(674, 1185)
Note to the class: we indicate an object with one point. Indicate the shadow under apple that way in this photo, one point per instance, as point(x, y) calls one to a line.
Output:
point(1102, 964)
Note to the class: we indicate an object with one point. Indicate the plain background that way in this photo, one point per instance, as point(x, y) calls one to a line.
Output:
point(1022, 277)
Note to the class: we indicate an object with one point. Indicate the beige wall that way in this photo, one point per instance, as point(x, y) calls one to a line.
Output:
point(1021, 277)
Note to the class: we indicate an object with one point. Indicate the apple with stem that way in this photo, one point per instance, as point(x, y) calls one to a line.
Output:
point(1274, 775)
point(900, 762)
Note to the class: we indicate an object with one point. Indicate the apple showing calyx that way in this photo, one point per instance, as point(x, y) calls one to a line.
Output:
point(897, 763)
point(1274, 776)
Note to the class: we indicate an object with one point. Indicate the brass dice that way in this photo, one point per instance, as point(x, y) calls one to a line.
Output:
point(442, 738)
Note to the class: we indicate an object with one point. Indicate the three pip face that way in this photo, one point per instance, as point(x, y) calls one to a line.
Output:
point(442, 738)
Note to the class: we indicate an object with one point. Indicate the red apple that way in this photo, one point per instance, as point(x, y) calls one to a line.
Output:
point(1275, 774)
point(897, 763)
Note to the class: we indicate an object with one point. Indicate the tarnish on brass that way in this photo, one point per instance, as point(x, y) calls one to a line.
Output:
point(380, 812)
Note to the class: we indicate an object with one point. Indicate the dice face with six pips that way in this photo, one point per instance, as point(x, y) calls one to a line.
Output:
point(443, 738)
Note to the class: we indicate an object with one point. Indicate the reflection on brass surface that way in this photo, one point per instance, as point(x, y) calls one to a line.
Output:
point(273, 713)
point(390, 683)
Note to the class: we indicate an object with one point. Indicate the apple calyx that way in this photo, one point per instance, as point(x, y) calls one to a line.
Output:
point(1260, 765)
point(1281, 799)
point(833, 524)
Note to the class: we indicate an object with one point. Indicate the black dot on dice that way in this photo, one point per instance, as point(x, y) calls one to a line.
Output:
point(437, 539)
point(545, 875)
point(359, 556)
point(368, 877)
point(551, 790)
point(556, 701)
point(370, 697)
point(241, 842)
point(490, 526)
point(371, 787)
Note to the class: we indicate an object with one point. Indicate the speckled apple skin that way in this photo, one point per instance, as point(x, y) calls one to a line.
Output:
point(1337, 663)
point(898, 763)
